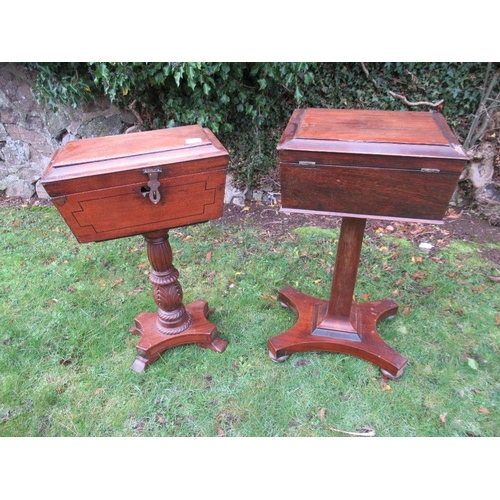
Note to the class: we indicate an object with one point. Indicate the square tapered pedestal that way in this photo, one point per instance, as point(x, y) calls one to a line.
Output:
point(360, 165)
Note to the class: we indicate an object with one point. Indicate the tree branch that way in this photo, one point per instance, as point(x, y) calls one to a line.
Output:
point(138, 125)
point(473, 136)
point(417, 103)
point(367, 74)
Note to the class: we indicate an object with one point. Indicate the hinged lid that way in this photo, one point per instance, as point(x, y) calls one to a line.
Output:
point(412, 134)
point(102, 155)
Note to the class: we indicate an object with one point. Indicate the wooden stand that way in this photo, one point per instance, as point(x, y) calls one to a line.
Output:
point(340, 324)
point(174, 324)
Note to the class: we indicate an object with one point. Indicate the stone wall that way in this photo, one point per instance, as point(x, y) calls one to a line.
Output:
point(30, 133)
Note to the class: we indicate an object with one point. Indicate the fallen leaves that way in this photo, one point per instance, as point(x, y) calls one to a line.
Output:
point(450, 309)
point(225, 422)
point(117, 282)
point(266, 296)
point(418, 275)
point(406, 311)
point(472, 363)
point(384, 386)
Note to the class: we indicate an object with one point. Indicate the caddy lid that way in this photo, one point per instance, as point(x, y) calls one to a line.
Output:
point(395, 133)
point(99, 149)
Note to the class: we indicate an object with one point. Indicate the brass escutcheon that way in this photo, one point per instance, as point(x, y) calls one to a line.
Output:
point(153, 184)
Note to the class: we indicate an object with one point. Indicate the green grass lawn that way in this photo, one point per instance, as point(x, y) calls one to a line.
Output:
point(66, 352)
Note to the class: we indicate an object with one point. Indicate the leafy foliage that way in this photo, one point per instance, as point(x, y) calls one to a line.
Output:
point(248, 104)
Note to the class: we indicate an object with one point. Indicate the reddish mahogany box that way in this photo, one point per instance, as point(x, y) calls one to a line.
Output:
point(401, 165)
point(116, 186)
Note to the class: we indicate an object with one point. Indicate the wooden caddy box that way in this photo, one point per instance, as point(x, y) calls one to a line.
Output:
point(146, 183)
point(401, 165)
point(102, 186)
point(359, 164)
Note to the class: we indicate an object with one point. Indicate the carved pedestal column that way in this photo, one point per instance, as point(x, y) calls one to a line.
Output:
point(167, 291)
point(173, 324)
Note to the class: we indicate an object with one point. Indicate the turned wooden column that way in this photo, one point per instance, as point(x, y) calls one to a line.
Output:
point(173, 324)
point(167, 291)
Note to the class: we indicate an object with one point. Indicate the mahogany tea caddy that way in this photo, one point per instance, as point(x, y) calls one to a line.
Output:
point(146, 183)
point(359, 165)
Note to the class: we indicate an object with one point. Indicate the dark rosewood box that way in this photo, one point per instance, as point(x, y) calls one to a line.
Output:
point(116, 186)
point(401, 165)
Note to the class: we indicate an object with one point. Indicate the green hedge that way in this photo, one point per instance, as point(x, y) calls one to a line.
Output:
point(248, 104)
